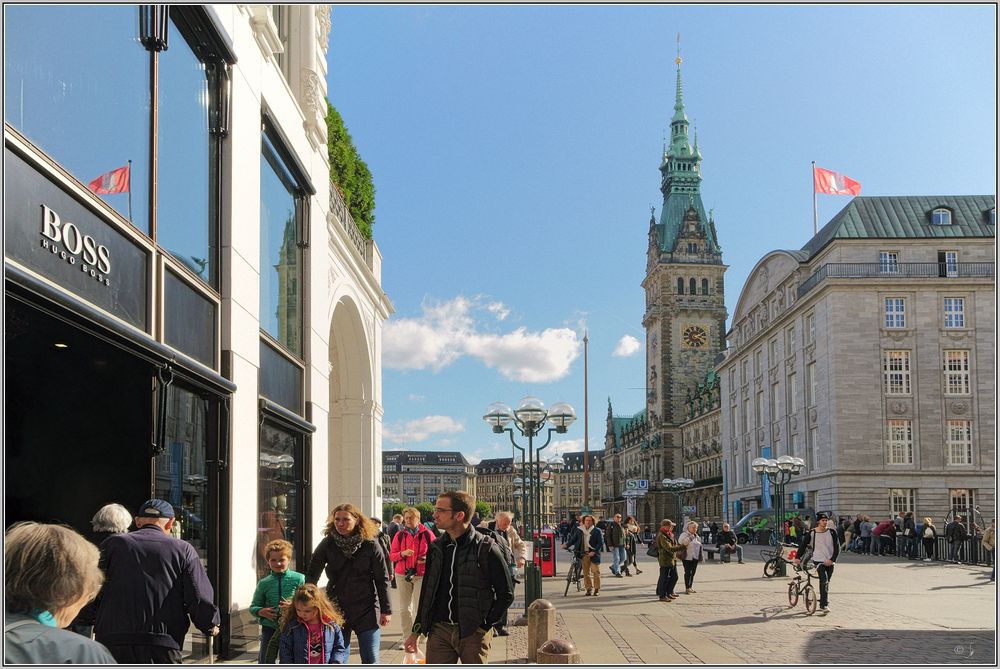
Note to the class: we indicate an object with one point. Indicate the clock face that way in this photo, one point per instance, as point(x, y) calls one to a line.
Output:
point(694, 336)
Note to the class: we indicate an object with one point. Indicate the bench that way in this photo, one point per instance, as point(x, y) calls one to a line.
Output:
point(710, 552)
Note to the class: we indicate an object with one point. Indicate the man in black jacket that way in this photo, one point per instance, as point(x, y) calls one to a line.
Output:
point(727, 544)
point(955, 533)
point(467, 588)
point(153, 584)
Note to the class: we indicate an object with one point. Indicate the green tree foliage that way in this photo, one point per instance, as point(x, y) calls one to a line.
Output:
point(484, 510)
point(350, 173)
point(426, 510)
point(390, 510)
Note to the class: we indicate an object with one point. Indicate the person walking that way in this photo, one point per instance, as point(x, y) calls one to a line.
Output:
point(273, 591)
point(312, 630)
point(586, 543)
point(955, 534)
point(690, 540)
point(110, 519)
point(990, 546)
point(409, 554)
point(358, 577)
point(154, 584)
point(822, 546)
point(632, 541)
point(614, 535)
point(667, 550)
point(467, 587)
point(50, 573)
point(928, 535)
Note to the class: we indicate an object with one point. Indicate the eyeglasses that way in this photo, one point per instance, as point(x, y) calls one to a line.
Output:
point(438, 509)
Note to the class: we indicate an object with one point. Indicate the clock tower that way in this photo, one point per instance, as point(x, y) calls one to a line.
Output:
point(685, 316)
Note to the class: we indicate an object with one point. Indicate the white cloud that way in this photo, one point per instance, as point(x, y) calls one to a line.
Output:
point(627, 346)
point(413, 397)
point(421, 429)
point(446, 331)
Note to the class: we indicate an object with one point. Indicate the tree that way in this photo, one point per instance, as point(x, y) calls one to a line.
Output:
point(426, 510)
point(350, 173)
point(484, 510)
point(390, 510)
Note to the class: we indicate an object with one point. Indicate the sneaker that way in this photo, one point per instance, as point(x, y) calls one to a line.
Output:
point(587, 594)
point(665, 599)
point(595, 592)
point(619, 575)
point(674, 596)
point(824, 609)
point(741, 562)
point(927, 559)
point(503, 631)
point(638, 571)
point(628, 573)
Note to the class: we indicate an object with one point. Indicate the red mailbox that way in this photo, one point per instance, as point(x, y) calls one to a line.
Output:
point(545, 552)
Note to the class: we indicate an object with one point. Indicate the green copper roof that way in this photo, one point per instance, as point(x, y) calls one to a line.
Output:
point(620, 423)
point(907, 217)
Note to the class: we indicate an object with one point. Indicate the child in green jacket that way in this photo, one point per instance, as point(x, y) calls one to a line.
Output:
point(274, 590)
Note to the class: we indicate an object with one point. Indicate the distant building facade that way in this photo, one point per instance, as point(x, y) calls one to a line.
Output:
point(870, 353)
point(568, 497)
point(702, 448)
point(420, 476)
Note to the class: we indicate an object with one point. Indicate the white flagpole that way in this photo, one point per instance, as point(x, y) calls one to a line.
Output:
point(815, 207)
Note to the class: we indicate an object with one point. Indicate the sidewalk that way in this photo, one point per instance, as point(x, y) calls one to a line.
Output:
point(934, 613)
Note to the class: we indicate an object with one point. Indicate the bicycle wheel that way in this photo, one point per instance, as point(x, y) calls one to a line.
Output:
point(569, 578)
point(793, 594)
point(809, 593)
point(771, 568)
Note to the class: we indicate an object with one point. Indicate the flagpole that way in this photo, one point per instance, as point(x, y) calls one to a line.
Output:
point(815, 208)
point(130, 190)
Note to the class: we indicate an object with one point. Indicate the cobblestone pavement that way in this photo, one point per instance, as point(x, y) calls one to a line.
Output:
point(883, 610)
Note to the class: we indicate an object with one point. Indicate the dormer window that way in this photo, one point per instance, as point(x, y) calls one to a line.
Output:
point(992, 218)
point(692, 247)
point(941, 216)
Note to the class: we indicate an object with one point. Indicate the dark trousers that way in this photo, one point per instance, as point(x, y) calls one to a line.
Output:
point(930, 548)
point(825, 574)
point(866, 545)
point(145, 655)
point(690, 566)
point(668, 579)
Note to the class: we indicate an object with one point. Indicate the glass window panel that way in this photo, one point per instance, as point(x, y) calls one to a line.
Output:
point(277, 491)
point(183, 224)
point(181, 470)
point(280, 261)
point(76, 83)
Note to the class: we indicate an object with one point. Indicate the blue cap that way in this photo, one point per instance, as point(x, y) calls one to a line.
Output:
point(155, 508)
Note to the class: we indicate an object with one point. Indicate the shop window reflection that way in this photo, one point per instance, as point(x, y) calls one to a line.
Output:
point(181, 470)
point(277, 492)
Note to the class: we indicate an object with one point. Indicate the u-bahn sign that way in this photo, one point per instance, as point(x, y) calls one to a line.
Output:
point(637, 484)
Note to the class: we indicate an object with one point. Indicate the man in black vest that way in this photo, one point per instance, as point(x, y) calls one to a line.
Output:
point(467, 588)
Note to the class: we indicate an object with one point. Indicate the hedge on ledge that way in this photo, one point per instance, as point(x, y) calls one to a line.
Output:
point(350, 173)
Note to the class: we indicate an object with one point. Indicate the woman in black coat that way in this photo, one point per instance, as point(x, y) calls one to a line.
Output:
point(358, 577)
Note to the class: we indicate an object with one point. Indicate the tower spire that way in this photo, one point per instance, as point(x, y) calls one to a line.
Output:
point(679, 100)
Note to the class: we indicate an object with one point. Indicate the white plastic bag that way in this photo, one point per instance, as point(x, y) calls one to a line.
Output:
point(415, 658)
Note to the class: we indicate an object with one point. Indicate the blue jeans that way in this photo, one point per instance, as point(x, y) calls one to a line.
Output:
point(368, 644)
point(265, 637)
point(617, 559)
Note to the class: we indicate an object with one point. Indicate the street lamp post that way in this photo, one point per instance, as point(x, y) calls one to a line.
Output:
point(530, 419)
point(779, 472)
point(678, 487)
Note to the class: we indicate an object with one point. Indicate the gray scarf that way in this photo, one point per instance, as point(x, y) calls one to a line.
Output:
point(348, 545)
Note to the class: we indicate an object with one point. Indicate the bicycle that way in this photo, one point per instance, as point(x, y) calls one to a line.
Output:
point(773, 558)
point(807, 591)
point(574, 575)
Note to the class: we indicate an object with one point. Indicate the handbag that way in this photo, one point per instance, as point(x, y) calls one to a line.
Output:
point(653, 550)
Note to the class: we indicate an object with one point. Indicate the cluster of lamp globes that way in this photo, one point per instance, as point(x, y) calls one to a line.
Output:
point(785, 464)
point(677, 484)
point(530, 415)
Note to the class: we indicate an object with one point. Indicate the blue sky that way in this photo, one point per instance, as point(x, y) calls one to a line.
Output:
point(515, 151)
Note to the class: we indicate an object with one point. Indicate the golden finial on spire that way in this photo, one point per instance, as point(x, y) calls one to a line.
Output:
point(679, 61)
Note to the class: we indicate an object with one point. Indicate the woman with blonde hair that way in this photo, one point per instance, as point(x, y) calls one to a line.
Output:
point(311, 630)
point(358, 577)
point(409, 555)
point(50, 573)
point(928, 536)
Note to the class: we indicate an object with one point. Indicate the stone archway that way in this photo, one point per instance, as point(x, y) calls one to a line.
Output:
point(354, 459)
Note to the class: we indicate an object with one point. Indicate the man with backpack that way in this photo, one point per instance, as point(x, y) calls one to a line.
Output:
point(514, 552)
point(467, 587)
point(821, 545)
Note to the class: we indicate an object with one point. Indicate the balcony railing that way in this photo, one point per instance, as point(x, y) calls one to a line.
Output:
point(892, 271)
point(339, 209)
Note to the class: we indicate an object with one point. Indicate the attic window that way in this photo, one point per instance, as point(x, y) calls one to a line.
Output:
point(941, 216)
point(993, 216)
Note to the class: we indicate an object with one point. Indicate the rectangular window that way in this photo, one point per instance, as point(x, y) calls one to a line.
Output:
point(775, 398)
point(962, 501)
point(956, 372)
point(954, 312)
point(959, 442)
point(746, 413)
point(811, 384)
point(759, 409)
point(793, 445)
point(895, 312)
point(758, 358)
point(772, 352)
point(813, 437)
point(280, 492)
point(790, 400)
point(789, 340)
point(732, 379)
point(900, 442)
point(888, 262)
point(744, 371)
point(896, 372)
point(948, 260)
point(901, 500)
point(732, 420)
point(810, 329)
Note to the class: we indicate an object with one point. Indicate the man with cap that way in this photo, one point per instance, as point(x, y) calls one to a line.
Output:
point(153, 585)
point(821, 545)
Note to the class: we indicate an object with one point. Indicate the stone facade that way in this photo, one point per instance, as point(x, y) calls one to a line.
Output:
point(702, 448)
point(871, 355)
point(420, 476)
point(568, 492)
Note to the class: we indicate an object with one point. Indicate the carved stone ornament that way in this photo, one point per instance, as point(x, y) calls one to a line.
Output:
point(959, 407)
point(313, 107)
point(323, 26)
point(777, 430)
point(898, 407)
point(760, 436)
point(812, 416)
point(896, 334)
point(794, 422)
point(810, 352)
point(790, 361)
point(772, 375)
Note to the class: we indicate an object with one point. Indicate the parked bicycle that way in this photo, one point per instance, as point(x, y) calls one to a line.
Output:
point(575, 574)
point(796, 588)
point(772, 558)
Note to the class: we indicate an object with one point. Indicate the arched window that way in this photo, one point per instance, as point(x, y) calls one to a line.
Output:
point(680, 286)
point(704, 286)
point(693, 286)
point(941, 216)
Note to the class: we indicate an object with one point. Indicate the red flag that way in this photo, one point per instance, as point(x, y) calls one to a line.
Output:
point(115, 181)
point(833, 183)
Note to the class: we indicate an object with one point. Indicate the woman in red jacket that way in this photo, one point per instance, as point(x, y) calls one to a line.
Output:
point(408, 554)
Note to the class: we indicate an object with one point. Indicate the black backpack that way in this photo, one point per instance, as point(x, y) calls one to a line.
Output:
point(500, 540)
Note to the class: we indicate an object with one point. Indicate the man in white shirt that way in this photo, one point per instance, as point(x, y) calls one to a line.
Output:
point(823, 545)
